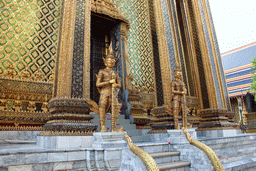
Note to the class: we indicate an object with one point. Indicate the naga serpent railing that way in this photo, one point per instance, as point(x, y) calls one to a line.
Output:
point(207, 150)
point(143, 155)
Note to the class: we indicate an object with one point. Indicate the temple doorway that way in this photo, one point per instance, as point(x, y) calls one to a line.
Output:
point(101, 27)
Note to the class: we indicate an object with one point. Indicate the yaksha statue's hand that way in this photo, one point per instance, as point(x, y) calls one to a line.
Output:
point(114, 85)
point(113, 81)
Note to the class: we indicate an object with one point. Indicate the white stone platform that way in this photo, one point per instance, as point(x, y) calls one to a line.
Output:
point(18, 136)
point(177, 136)
point(218, 133)
point(57, 142)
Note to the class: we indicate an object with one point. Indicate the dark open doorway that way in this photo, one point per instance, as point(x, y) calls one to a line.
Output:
point(101, 27)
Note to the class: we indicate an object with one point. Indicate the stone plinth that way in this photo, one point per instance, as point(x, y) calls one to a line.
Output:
point(161, 120)
point(251, 122)
point(69, 117)
point(178, 137)
point(138, 110)
point(214, 119)
point(194, 120)
point(60, 142)
point(109, 140)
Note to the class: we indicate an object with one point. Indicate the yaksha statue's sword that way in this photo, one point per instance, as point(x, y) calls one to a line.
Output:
point(115, 107)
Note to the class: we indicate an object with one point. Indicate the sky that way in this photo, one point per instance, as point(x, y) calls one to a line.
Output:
point(235, 22)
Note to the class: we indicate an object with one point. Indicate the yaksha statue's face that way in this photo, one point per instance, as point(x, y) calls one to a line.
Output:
point(110, 62)
point(177, 74)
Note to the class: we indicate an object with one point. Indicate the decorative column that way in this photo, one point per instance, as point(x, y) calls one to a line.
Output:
point(216, 106)
point(69, 110)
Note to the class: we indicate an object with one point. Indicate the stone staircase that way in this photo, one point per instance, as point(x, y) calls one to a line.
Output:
point(135, 134)
point(165, 159)
point(235, 153)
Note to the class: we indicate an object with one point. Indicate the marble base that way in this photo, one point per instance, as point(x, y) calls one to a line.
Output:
point(218, 133)
point(109, 140)
point(58, 142)
point(177, 136)
point(18, 135)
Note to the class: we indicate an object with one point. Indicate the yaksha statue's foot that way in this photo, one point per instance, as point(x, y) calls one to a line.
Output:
point(117, 130)
point(103, 129)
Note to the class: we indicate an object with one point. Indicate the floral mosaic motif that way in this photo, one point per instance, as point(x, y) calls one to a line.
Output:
point(78, 53)
point(29, 34)
point(139, 41)
point(25, 86)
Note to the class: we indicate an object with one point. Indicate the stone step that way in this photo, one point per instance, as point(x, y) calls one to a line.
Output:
point(235, 150)
point(238, 138)
point(240, 154)
point(140, 138)
point(165, 157)
point(154, 147)
point(233, 144)
point(241, 165)
point(237, 159)
point(174, 166)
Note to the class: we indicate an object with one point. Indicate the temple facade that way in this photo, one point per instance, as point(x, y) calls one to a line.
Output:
point(52, 50)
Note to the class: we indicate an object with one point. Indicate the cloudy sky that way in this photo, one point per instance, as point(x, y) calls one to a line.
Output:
point(235, 22)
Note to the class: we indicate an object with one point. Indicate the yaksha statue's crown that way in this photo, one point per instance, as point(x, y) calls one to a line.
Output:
point(177, 69)
point(111, 53)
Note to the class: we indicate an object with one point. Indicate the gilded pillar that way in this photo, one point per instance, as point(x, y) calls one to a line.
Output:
point(205, 55)
point(163, 51)
point(69, 110)
point(215, 115)
point(87, 49)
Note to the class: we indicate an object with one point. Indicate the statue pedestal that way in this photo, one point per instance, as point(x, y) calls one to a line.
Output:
point(251, 121)
point(109, 140)
point(176, 136)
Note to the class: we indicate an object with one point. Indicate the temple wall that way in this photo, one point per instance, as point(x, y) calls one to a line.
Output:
point(30, 36)
point(139, 40)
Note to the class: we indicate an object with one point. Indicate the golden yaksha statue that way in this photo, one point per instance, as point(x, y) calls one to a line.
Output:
point(107, 82)
point(179, 92)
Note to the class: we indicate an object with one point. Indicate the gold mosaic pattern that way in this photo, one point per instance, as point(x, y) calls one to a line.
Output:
point(29, 34)
point(140, 45)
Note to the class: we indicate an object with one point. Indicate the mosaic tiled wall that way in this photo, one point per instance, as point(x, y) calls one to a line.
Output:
point(29, 35)
point(139, 46)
